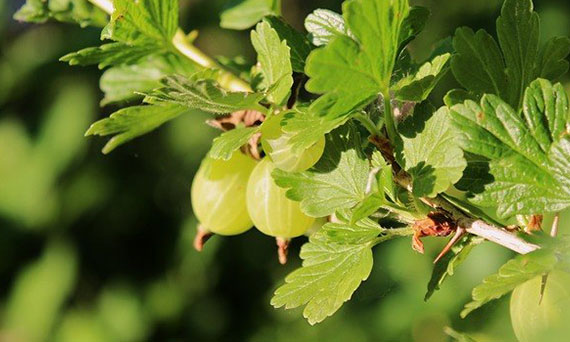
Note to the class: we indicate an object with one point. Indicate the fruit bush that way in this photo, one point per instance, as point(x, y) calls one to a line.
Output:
point(335, 134)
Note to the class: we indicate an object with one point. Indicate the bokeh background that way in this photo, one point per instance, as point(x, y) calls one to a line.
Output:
point(97, 248)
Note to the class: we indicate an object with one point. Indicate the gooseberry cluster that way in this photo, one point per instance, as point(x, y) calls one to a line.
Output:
point(244, 185)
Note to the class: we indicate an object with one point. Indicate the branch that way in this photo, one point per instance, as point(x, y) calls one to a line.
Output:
point(499, 236)
point(181, 44)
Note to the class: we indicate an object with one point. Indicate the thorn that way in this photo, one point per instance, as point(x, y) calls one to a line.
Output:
point(555, 222)
point(458, 235)
point(282, 249)
point(202, 235)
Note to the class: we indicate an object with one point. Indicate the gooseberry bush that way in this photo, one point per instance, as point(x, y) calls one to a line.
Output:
point(335, 133)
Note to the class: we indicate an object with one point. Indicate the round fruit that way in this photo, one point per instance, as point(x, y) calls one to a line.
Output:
point(218, 194)
point(275, 144)
point(547, 320)
point(271, 212)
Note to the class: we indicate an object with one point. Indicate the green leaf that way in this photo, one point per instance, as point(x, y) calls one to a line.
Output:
point(273, 57)
point(126, 82)
point(352, 73)
point(203, 94)
point(430, 150)
point(307, 127)
point(143, 22)
point(380, 181)
point(110, 54)
point(515, 272)
point(297, 42)
point(337, 181)
point(81, 12)
point(132, 122)
point(552, 59)
point(417, 86)
point(482, 67)
point(225, 145)
point(446, 266)
point(335, 261)
point(324, 25)
point(413, 24)
point(529, 154)
point(246, 13)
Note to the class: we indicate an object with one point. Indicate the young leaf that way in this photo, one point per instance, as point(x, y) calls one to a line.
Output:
point(306, 127)
point(110, 54)
point(515, 272)
point(352, 73)
point(337, 181)
point(131, 122)
point(126, 82)
point(480, 64)
point(417, 86)
point(81, 12)
point(246, 13)
point(297, 42)
point(324, 25)
point(430, 150)
point(448, 263)
point(143, 22)
point(335, 261)
point(203, 94)
point(225, 145)
point(529, 155)
point(273, 57)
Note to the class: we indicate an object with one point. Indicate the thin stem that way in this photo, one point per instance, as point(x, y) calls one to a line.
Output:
point(182, 46)
point(365, 120)
point(389, 118)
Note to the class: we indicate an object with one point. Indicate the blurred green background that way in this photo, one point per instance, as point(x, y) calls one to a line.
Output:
point(98, 248)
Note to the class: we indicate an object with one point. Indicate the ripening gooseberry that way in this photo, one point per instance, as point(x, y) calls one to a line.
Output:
point(218, 194)
point(275, 143)
point(271, 212)
point(534, 320)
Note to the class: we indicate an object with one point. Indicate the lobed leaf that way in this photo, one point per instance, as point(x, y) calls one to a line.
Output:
point(203, 94)
point(529, 154)
point(273, 58)
point(324, 25)
point(81, 12)
point(515, 272)
point(429, 150)
point(337, 181)
point(132, 122)
point(335, 261)
point(297, 42)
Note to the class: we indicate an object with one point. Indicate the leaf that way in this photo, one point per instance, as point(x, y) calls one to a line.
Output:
point(224, 146)
point(337, 181)
point(273, 57)
point(449, 262)
point(484, 67)
point(413, 24)
point(324, 25)
point(307, 128)
point(352, 73)
point(297, 42)
point(74, 11)
point(132, 122)
point(513, 273)
point(203, 94)
point(110, 54)
point(142, 22)
point(126, 82)
point(380, 180)
point(418, 86)
point(335, 261)
point(430, 150)
point(457, 336)
point(529, 154)
point(553, 63)
point(246, 13)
